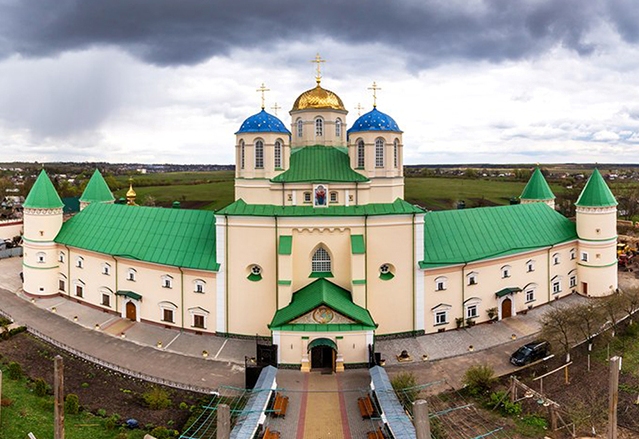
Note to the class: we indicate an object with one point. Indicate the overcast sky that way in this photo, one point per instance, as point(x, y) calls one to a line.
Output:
point(496, 81)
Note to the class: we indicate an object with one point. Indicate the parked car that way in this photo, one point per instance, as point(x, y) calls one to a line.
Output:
point(530, 352)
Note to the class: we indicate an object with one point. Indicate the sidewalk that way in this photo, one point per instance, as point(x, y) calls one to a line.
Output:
point(180, 357)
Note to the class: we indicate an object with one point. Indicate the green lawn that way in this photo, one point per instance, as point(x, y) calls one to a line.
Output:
point(30, 413)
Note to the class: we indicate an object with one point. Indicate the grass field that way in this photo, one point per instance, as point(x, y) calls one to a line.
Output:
point(214, 190)
point(30, 413)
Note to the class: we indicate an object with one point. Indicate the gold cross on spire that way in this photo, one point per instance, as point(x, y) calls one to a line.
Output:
point(275, 108)
point(318, 60)
point(263, 89)
point(374, 88)
point(359, 108)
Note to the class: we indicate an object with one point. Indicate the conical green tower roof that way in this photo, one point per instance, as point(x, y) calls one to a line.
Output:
point(537, 188)
point(596, 193)
point(43, 195)
point(97, 190)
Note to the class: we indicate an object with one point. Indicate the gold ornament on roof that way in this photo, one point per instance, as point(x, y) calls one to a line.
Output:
point(130, 194)
point(262, 90)
point(318, 97)
point(374, 87)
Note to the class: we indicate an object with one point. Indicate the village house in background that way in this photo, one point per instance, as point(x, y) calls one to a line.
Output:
point(319, 251)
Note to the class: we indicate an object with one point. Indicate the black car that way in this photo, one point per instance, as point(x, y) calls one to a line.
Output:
point(530, 352)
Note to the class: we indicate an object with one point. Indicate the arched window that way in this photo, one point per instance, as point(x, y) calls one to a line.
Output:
point(379, 153)
point(361, 151)
point(277, 154)
point(338, 128)
point(319, 127)
point(300, 128)
point(396, 153)
point(259, 154)
point(242, 154)
point(321, 262)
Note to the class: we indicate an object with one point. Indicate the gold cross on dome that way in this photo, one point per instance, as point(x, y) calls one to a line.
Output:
point(318, 60)
point(359, 108)
point(275, 108)
point(374, 88)
point(263, 89)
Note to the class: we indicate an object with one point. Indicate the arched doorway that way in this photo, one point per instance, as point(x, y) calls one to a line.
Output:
point(506, 308)
point(323, 353)
point(131, 311)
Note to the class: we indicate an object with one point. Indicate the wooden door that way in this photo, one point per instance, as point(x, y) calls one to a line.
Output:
point(131, 311)
point(506, 308)
point(584, 288)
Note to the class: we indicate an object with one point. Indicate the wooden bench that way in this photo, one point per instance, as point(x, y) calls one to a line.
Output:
point(377, 434)
point(280, 405)
point(271, 434)
point(365, 407)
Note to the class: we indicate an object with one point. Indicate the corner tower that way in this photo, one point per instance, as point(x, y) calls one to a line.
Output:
point(597, 230)
point(96, 191)
point(42, 222)
point(537, 190)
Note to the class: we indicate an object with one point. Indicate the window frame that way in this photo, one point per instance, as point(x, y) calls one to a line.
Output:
point(300, 127)
point(41, 257)
point(338, 128)
point(319, 127)
point(321, 261)
point(530, 295)
point(167, 281)
point(79, 262)
point(198, 286)
point(307, 197)
point(584, 256)
point(441, 281)
point(61, 257)
point(472, 278)
point(106, 269)
point(361, 154)
point(441, 321)
point(131, 274)
point(530, 266)
point(259, 154)
point(506, 271)
point(556, 259)
point(380, 145)
point(277, 154)
point(396, 153)
point(242, 154)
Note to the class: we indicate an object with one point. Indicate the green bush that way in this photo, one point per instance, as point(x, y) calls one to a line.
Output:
point(14, 371)
point(405, 386)
point(161, 433)
point(479, 379)
point(71, 404)
point(532, 426)
point(101, 413)
point(40, 387)
point(157, 398)
point(109, 424)
point(501, 401)
point(183, 406)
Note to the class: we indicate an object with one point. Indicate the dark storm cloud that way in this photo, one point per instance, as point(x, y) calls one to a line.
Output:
point(172, 32)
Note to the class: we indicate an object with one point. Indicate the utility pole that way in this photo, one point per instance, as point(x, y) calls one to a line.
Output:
point(58, 396)
point(223, 421)
point(422, 422)
point(613, 396)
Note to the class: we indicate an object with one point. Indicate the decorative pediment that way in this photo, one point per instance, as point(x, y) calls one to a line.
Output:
point(322, 315)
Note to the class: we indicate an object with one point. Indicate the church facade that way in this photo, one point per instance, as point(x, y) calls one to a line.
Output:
point(319, 251)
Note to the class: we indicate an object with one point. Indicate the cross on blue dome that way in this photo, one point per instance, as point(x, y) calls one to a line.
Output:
point(263, 122)
point(374, 120)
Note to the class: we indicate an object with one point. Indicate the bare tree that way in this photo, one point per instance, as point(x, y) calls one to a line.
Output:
point(588, 319)
point(611, 307)
point(559, 326)
point(630, 302)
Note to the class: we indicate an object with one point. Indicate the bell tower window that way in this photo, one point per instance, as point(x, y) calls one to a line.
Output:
point(319, 127)
point(396, 153)
point(277, 154)
point(338, 128)
point(361, 151)
point(259, 154)
point(379, 153)
point(300, 128)
point(242, 154)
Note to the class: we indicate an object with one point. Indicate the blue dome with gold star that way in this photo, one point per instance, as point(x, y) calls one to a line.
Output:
point(374, 120)
point(263, 122)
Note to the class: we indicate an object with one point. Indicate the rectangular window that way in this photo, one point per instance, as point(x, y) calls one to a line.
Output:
point(555, 259)
point(167, 283)
point(572, 255)
point(259, 155)
point(573, 281)
point(584, 257)
point(395, 154)
point(277, 155)
point(506, 273)
point(361, 162)
point(62, 286)
point(556, 287)
point(79, 262)
point(199, 288)
point(333, 197)
point(61, 257)
point(441, 317)
point(307, 197)
point(106, 300)
point(198, 321)
point(530, 267)
point(471, 311)
point(106, 270)
point(167, 315)
point(472, 280)
point(441, 286)
point(379, 153)
point(530, 295)
point(79, 290)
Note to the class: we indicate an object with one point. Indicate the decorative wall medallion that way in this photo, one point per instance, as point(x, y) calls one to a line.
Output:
point(323, 315)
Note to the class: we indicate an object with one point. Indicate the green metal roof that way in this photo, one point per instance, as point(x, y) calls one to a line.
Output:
point(43, 195)
point(537, 188)
point(177, 237)
point(311, 327)
point(319, 164)
point(460, 236)
point(322, 292)
point(596, 193)
point(506, 291)
point(286, 245)
point(322, 342)
point(127, 293)
point(357, 245)
point(240, 208)
point(97, 190)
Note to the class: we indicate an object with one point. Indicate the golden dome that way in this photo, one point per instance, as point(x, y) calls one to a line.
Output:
point(318, 97)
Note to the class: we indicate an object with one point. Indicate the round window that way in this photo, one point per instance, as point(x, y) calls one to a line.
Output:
point(384, 269)
point(256, 270)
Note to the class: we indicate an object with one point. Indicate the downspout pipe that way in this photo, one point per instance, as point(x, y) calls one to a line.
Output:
point(182, 296)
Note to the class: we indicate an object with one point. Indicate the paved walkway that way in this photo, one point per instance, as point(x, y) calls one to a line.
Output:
point(180, 356)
